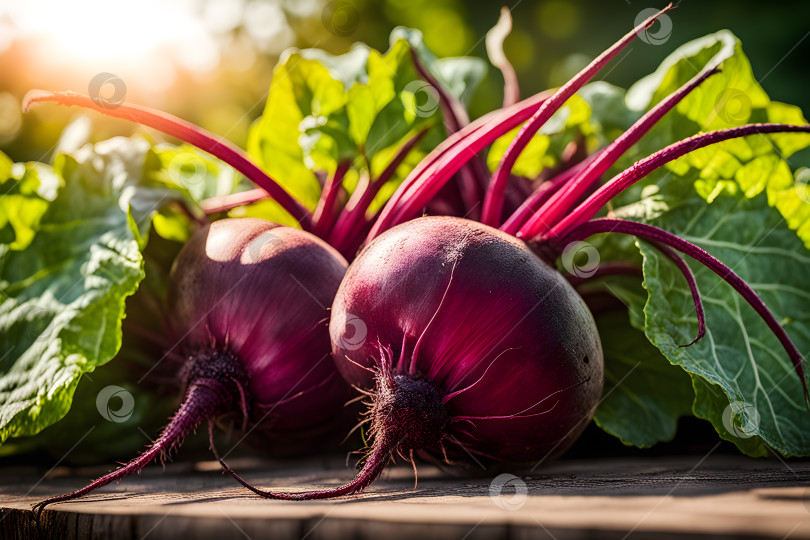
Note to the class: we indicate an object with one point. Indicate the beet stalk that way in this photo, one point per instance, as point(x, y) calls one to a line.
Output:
point(185, 131)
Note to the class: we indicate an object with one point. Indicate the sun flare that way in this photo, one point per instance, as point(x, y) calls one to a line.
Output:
point(146, 40)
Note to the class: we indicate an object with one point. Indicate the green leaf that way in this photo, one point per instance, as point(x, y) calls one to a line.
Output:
point(644, 395)
point(63, 296)
point(104, 426)
point(391, 79)
point(739, 354)
point(197, 173)
point(459, 76)
point(315, 117)
point(739, 200)
point(610, 115)
point(348, 68)
point(302, 97)
point(27, 189)
point(730, 98)
point(712, 404)
point(360, 107)
point(84, 436)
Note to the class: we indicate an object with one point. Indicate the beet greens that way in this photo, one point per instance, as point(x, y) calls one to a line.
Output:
point(474, 341)
point(463, 336)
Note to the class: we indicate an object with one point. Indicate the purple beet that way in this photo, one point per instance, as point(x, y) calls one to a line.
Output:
point(465, 341)
point(248, 309)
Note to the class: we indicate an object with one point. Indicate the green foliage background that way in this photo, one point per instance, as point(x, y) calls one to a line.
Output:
point(551, 40)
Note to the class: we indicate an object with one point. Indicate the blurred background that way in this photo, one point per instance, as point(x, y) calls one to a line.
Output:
point(210, 61)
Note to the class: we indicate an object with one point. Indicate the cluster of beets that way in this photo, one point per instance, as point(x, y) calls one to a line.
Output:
point(461, 333)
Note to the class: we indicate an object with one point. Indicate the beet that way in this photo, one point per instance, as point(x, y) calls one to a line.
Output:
point(248, 304)
point(446, 299)
point(465, 341)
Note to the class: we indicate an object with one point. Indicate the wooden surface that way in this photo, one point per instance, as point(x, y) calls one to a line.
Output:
point(660, 497)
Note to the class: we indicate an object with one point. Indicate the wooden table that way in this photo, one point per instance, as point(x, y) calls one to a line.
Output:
point(657, 497)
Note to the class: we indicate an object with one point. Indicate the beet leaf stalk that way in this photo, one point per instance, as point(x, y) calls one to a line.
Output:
point(325, 214)
point(560, 203)
point(554, 209)
point(594, 203)
point(428, 177)
point(693, 289)
point(438, 167)
point(471, 179)
point(223, 203)
point(543, 193)
point(493, 201)
point(662, 237)
point(494, 42)
point(185, 131)
point(454, 113)
point(352, 221)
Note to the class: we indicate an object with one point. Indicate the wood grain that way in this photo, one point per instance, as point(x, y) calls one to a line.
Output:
point(714, 497)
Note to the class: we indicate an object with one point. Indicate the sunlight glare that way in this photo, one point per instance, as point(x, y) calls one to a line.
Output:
point(93, 32)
